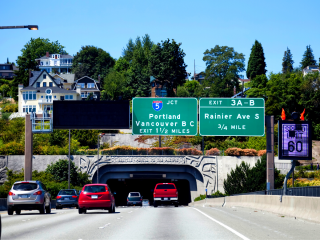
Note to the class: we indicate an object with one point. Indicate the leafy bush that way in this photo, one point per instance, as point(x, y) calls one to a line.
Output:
point(316, 131)
point(5, 116)
point(201, 197)
point(244, 179)
point(213, 152)
point(241, 152)
point(188, 151)
point(10, 108)
point(12, 148)
point(257, 143)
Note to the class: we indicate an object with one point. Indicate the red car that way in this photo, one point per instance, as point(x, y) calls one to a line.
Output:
point(165, 193)
point(96, 196)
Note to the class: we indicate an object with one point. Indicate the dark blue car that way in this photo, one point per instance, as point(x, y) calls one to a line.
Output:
point(67, 198)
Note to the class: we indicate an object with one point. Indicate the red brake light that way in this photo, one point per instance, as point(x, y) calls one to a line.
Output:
point(11, 194)
point(127, 200)
point(38, 193)
point(74, 196)
point(58, 197)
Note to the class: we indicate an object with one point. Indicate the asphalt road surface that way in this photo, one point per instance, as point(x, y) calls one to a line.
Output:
point(165, 222)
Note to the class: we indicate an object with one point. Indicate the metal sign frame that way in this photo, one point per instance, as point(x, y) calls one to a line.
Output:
point(280, 141)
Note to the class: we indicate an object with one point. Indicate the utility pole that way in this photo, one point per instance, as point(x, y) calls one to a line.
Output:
point(98, 159)
point(194, 70)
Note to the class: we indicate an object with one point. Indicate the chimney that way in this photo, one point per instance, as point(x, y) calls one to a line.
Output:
point(30, 73)
point(78, 89)
point(47, 54)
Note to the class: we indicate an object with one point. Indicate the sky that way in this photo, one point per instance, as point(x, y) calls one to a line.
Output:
point(198, 25)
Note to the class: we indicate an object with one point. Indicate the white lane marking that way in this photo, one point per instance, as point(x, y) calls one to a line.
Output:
point(223, 225)
point(105, 226)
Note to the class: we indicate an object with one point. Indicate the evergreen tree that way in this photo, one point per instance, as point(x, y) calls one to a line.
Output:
point(287, 62)
point(308, 58)
point(256, 63)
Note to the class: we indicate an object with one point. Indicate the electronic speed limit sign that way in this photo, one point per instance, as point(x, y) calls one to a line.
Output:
point(295, 142)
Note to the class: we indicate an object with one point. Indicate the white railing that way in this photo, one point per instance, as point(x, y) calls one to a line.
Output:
point(42, 101)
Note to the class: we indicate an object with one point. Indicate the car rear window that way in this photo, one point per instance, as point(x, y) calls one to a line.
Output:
point(165, 186)
point(25, 186)
point(67, 192)
point(95, 189)
point(134, 195)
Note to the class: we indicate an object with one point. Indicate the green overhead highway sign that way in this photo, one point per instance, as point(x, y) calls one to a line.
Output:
point(231, 117)
point(164, 116)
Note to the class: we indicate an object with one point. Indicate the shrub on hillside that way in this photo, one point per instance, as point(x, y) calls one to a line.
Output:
point(262, 152)
point(188, 151)
point(10, 108)
point(12, 148)
point(241, 152)
point(213, 152)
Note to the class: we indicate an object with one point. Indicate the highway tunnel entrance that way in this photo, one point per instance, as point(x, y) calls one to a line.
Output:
point(145, 186)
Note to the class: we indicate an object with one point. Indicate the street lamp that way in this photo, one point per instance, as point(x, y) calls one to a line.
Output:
point(30, 27)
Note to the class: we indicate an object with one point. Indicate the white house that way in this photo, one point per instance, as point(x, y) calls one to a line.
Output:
point(310, 69)
point(43, 89)
point(58, 62)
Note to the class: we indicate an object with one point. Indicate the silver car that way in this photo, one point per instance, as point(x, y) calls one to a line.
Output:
point(28, 195)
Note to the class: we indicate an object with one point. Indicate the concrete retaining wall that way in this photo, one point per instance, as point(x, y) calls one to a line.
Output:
point(307, 208)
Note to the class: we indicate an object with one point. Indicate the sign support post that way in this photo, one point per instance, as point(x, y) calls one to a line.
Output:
point(270, 152)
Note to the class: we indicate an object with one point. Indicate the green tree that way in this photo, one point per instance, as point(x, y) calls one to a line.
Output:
point(308, 58)
point(92, 61)
point(4, 90)
point(32, 50)
point(182, 92)
point(258, 87)
point(167, 64)
point(115, 85)
point(287, 61)
point(256, 63)
point(224, 66)
point(59, 171)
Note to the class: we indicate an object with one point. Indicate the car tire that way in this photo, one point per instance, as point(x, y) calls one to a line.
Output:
point(18, 212)
point(176, 204)
point(42, 208)
point(80, 210)
point(58, 208)
point(48, 209)
point(155, 204)
point(10, 211)
point(111, 209)
point(84, 211)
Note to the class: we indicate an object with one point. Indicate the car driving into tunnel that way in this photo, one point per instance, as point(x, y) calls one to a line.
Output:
point(96, 196)
point(134, 199)
point(165, 193)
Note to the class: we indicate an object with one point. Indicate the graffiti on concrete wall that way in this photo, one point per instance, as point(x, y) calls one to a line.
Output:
point(206, 165)
point(3, 168)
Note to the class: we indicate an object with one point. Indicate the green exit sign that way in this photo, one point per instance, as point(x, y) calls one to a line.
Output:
point(164, 116)
point(231, 117)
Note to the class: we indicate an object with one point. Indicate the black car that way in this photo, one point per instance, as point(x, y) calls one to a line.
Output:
point(67, 198)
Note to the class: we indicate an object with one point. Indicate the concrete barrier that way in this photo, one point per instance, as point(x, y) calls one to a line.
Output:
point(209, 202)
point(3, 204)
point(301, 207)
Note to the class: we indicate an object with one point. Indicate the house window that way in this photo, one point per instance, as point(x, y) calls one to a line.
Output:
point(47, 107)
point(41, 96)
point(48, 91)
point(29, 95)
point(90, 85)
point(44, 76)
point(50, 84)
point(41, 63)
point(44, 84)
point(69, 97)
point(38, 84)
point(82, 85)
point(55, 96)
point(29, 108)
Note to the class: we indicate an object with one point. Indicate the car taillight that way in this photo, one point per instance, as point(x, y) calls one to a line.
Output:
point(141, 199)
point(127, 200)
point(11, 194)
point(38, 193)
point(58, 197)
point(74, 196)
point(177, 193)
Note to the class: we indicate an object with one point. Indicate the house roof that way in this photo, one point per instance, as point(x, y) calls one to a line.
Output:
point(50, 56)
point(43, 89)
point(37, 74)
point(69, 78)
point(96, 83)
point(244, 80)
